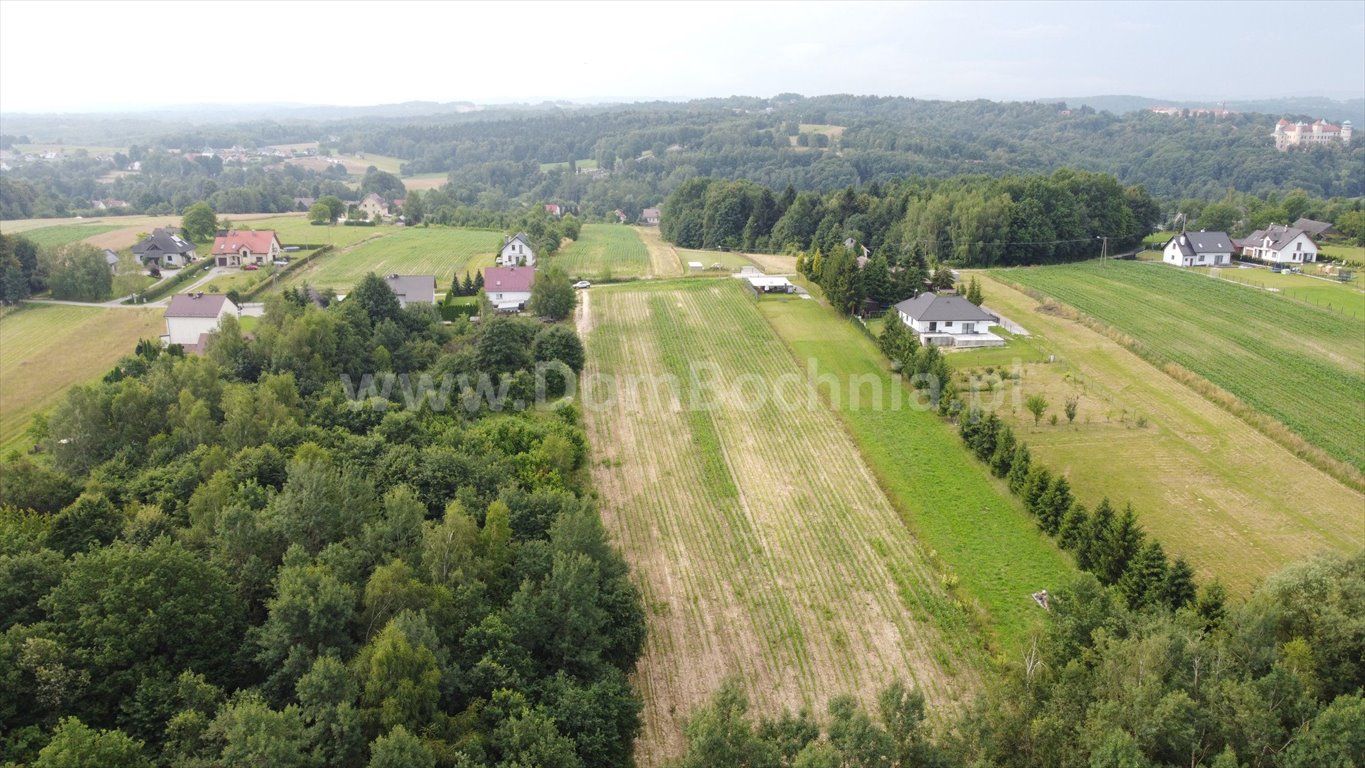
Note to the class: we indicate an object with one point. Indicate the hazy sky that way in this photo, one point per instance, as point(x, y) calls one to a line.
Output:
point(64, 56)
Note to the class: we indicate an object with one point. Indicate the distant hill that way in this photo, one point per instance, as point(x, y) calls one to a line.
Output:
point(1304, 106)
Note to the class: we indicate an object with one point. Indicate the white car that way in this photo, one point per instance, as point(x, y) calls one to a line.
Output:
point(582, 284)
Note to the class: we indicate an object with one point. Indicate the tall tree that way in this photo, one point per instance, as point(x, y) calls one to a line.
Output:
point(552, 295)
point(199, 222)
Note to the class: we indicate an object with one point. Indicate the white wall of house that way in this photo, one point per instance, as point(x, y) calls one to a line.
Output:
point(1173, 255)
point(516, 254)
point(187, 330)
point(945, 326)
point(509, 297)
point(1298, 251)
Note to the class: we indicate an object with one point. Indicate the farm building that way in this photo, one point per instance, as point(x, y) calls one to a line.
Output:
point(517, 251)
point(192, 316)
point(765, 284)
point(1280, 245)
point(1198, 249)
point(111, 258)
point(1314, 228)
point(164, 248)
point(948, 320)
point(508, 288)
point(650, 217)
point(238, 248)
point(374, 207)
point(413, 289)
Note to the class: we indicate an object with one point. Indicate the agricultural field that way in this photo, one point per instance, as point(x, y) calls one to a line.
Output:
point(1302, 365)
point(67, 149)
point(424, 181)
point(46, 348)
point(65, 234)
point(440, 251)
point(730, 261)
point(296, 230)
point(762, 545)
point(586, 164)
point(663, 257)
point(1182, 461)
point(947, 498)
point(604, 251)
point(1346, 298)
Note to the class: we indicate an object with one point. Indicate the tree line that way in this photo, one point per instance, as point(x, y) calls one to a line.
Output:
point(221, 560)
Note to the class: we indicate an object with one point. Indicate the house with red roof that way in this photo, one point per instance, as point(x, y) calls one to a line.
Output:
point(1289, 134)
point(553, 210)
point(238, 248)
point(508, 288)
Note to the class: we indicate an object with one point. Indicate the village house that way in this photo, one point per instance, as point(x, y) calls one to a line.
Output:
point(1289, 134)
point(1198, 249)
point(553, 210)
point(164, 248)
point(238, 248)
point(190, 317)
point(111, 258)
point(374, 207)
point(1280, 245)
point(948, 320)
point(650, 217)
point(413, 289)
point(517, 251)
point(1315, 229)
point(508, 288)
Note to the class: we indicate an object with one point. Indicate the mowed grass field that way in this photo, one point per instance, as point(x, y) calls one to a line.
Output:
point(1345, 298)
point(65, 234)
point(296, 230)
point(438, 251)
point(1302, 365)
point(604, 251)
point(947, 498)
point(46, 348)
point(761, 543)
point(1208, 485)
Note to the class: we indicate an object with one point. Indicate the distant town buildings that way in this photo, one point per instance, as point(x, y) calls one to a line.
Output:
point(1289, 134)
point(1218, 112)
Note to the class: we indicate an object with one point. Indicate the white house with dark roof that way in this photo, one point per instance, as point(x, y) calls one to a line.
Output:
point(517, 251)
point(190, 317)
point(413, 289)
point(1280, 245)
point(650, 217)
point(164, 248)
point(948, 320)
point(1198, 249)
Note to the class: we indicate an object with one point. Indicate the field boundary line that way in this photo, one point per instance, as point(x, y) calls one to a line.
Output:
point(1259, 420)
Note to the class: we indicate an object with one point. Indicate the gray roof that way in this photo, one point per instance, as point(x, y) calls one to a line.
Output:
point(197, 305)
point(1313, 228)
point(163, 241)
point(522, 236)
point(413, 289)
point(1192, 243)
point(942, 307)
point(110, 257)
point(1280, 236)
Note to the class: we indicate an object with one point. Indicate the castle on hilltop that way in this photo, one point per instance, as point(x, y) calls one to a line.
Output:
point(1289, 134)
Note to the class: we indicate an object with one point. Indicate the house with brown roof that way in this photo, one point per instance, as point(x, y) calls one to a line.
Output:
point(508, 288)
point(238, 248)
point(191, 317)
point(650, 217)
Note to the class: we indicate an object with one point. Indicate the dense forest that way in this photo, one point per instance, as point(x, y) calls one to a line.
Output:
point(599, 159)
point(225, 560)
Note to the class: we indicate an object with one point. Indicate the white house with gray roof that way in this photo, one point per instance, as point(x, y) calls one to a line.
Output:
point(1198, 249)
point(948, 320)
point(517, 252)
point(1280, 245)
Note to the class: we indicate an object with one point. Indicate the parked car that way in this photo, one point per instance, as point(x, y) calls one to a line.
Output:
point(251, 267)
point(582, 284)
point(280, 262)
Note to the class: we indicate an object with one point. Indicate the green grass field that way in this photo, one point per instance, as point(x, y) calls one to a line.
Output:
point(295, 230)
point(65, 234)
point(942, 492)
point(762, 546)
point(731, 261)
point(1352, 253)
point(587, 164)
point(1346, 298)
point(604, 251)
point(438, 251)
point(1302, 365)
point(1140, 436)
point(46, 348)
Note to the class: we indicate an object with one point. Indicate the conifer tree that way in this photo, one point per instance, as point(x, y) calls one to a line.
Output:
point(1054, 504)
point(1143, 583)
point(1179, 589)
point(1119, 548)
point(1088, 552)
point(1019, 469)
point(478, 282)
point(469, 286)
point(1039, 481)
point(974, 292)
point(984, 443)
point(1004, 452)
point(1075, 526)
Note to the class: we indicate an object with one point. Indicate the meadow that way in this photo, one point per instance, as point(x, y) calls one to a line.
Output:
point(1345, 298)
point(1302, 365)
point(762, 545)
point(438, 251)
point(65, 234)
point(944, 495)
point(46, 348)
point(1143, 437)
point(603, 252)
point(296, 230)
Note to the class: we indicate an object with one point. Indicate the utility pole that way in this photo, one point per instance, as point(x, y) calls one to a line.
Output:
point(1104, 250)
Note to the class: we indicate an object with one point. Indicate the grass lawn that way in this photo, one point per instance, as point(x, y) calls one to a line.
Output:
point(762, 546)
point(1302, 365)
point(440, 251)
point(1352, 253)
point(604, 251)
point(46, 348)
point(1183, 461)
point(296, 230)
point(730, 261)
point(945, 496)
point(65, 234)
point(1346, 298)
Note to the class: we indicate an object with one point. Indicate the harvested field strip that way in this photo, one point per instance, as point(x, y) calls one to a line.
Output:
point(761, 544)
point(603, 252)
